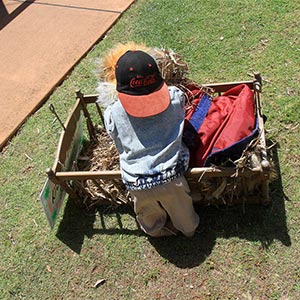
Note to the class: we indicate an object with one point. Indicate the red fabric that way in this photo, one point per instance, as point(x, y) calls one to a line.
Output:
point(230, 118)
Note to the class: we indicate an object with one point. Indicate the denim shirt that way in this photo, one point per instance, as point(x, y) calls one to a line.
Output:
point(151, 149)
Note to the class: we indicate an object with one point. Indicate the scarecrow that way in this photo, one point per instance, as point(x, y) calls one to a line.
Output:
point(219, 130)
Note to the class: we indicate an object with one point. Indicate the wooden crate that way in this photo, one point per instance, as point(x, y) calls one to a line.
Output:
point(209, 185)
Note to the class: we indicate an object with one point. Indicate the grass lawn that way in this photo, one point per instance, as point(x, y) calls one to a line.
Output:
point(250, 253)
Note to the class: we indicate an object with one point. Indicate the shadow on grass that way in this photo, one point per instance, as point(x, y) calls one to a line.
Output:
point(77, 224)
point(74, 226)
point(262, 224)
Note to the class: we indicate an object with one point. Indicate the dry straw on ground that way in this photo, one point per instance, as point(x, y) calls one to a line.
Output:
point(100, 155)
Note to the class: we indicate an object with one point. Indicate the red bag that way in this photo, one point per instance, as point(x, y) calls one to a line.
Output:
point(228, 123)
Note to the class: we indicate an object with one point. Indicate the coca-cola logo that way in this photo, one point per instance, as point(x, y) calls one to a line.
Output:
point(142, 81)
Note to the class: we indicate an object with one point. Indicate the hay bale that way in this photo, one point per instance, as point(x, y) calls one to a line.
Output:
point(171, 65)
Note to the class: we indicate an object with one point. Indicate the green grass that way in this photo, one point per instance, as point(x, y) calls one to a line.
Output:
point(235, 254)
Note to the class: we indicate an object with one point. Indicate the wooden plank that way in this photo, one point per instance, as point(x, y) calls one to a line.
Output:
point(66, 137)
point(191, 173)
point(223, 87)
point(217, 87)
point(84, 175)
point(88, 99)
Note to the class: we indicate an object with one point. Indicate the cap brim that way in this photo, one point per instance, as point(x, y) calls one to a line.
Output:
point(146, 105)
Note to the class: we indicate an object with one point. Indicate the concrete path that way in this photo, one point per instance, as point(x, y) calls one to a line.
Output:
point(40, 42)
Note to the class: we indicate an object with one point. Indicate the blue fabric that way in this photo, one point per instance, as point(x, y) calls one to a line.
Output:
point(190, 133)
point(151, 149)
point(200, 112)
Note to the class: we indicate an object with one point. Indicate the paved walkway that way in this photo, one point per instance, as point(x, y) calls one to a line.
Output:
point(40, 42)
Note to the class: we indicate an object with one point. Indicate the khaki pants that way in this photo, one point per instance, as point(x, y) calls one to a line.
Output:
point(153, 206)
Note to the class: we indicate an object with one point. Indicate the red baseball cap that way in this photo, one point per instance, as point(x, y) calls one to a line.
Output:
point(141, 89)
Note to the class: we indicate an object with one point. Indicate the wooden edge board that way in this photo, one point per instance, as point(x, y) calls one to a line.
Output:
point(191, 173)
point(217, 87)
point(66, 137)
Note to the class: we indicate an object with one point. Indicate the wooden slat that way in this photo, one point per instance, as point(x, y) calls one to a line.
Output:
point(83, 175)
point(88, 99)
point(223, 87)
point(66, 137)
point(217, 87)
point(222, 172)
point(192, 173)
